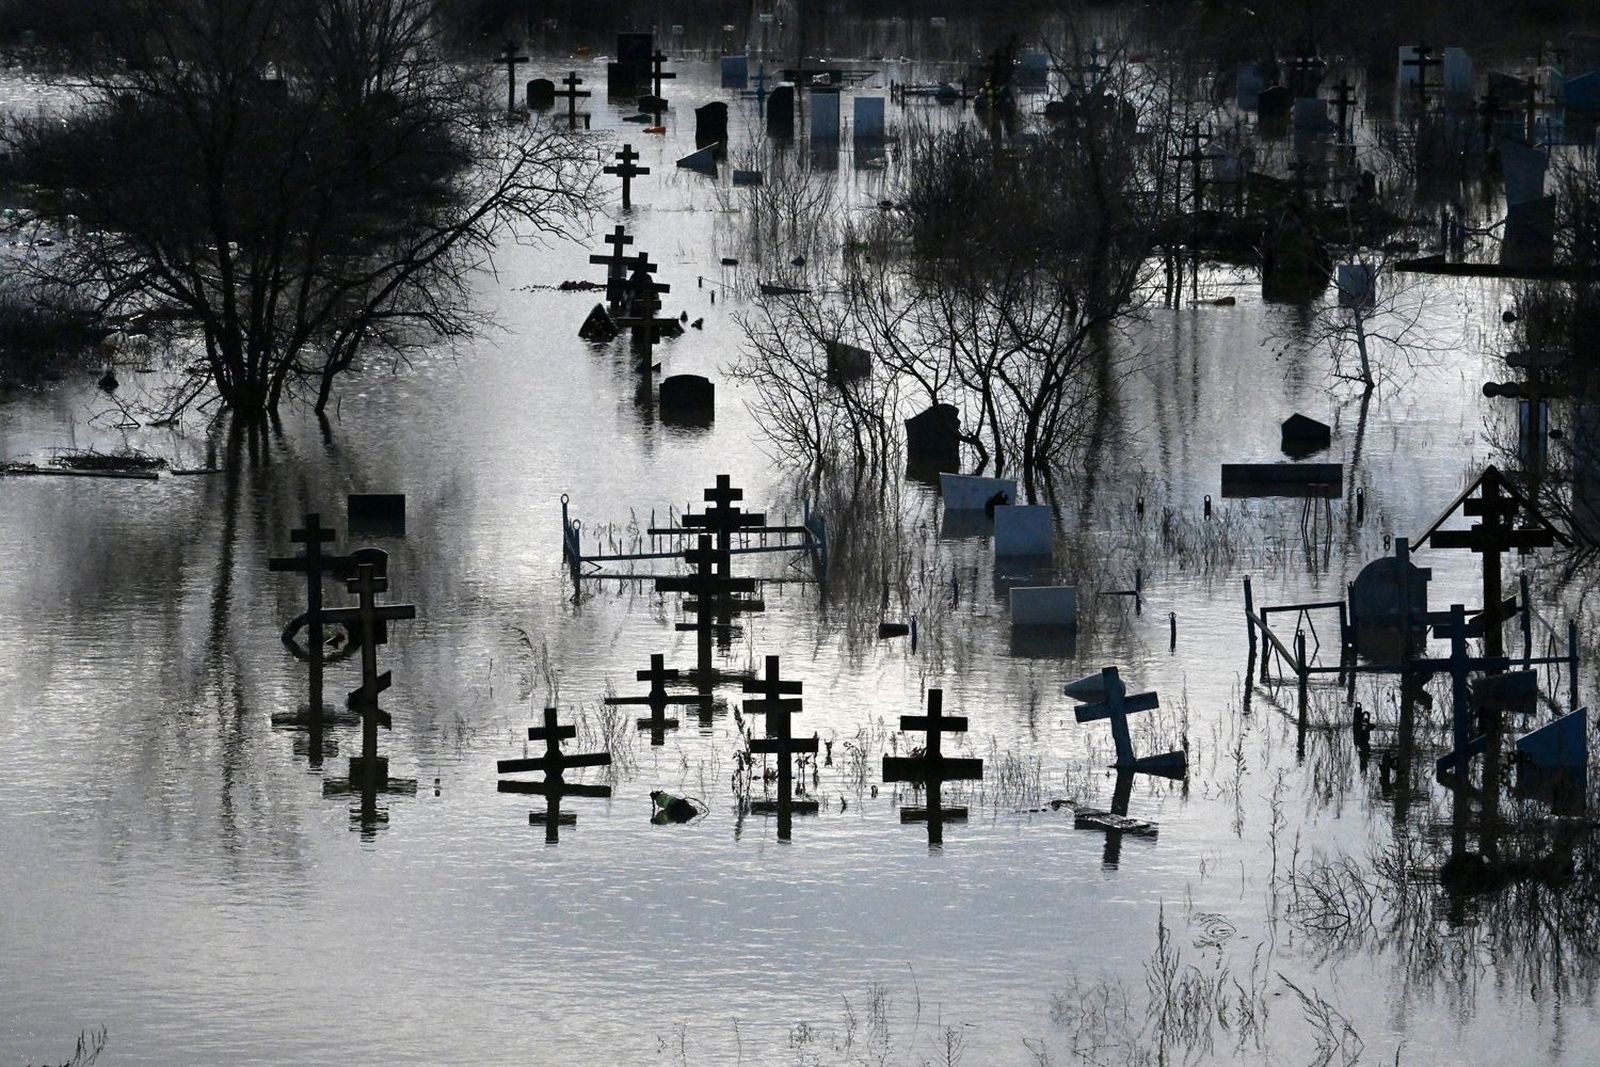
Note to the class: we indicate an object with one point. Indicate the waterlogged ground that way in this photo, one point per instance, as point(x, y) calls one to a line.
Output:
point(174, 873)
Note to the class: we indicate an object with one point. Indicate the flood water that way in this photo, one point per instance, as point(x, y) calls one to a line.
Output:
point(173, 872)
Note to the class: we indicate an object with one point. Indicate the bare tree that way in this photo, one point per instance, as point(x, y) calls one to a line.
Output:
point(301, 181)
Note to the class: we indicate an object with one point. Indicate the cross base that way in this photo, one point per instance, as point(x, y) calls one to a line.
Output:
point(796, 807)
point(954, 813)
point(563, 818)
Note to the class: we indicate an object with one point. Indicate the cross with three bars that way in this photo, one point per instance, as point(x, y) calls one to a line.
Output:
point(657, 700)
point(571, 92)
point(644, 302)
point(657, 75)
point(368, 624)
point(712, 595)
point(554, 764)
point(778, 702)
point(933, 768)
point(1422, 59)
point(1343, 98)
point(1116, 705)
point(1455, 626)
point(626, 169)
point(315, 565)
point(509, 57)
point(616, 265)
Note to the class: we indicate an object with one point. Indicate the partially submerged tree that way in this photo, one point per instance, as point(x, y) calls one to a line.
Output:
point(304, 181)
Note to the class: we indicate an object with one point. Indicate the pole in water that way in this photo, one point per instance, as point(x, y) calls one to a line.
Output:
point(1138, 506)
point(1208, 505)
point(1172, 625)
point(1361, 506)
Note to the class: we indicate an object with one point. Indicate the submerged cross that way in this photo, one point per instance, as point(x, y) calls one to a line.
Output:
point(779, 703)
point(509, 57)
point(571, 92)
point(369, 619)
point(554, 764)
point(933, 768)
point(1343, 97)
point(657, 75)
point(1117, 706)
point(1422, 59)
point(657, 699)
point(626, 170)
point(316, 566)
point(712, 595)
point(722, 519)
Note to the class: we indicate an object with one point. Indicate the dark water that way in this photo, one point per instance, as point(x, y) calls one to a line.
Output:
point(173, 871)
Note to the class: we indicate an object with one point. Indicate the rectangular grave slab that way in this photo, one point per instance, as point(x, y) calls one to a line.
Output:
point(824, 117)
point(964, 492)
point(1049, 605)
point(735, 72)
point(1559, 745)
point(1457, 72)
point(1319, 480)
point(869, 118)
point(1023, 530)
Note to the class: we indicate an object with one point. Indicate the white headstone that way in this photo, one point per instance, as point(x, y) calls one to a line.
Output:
point(1044, 605)
point(1024, 530)
point(869, 118)
point(825, 117)
point(963, 492)
point(1457, 72)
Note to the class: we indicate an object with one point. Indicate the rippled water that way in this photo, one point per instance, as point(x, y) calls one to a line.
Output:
point(173, 871)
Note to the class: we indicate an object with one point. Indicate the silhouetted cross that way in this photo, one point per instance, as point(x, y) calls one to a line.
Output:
point(778, 707)
point(368, 619)
point(571, 92)
point(554, 764)
point(933, 768)
point(657, 722)
point(627, 171)
point(316, 566)
point(509, 57)
point(657, 75)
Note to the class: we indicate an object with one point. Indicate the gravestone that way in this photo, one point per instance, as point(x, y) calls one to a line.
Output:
point(1024, 530)
point(1033, 72)
point(1582, 94)
point(702, 162)
point(735, 72)
point(1311, 115)
point(868, 124)
point(933, 439)
point(824, 116)
point(1273, 105)
point(633, 53)
point(653, 104)
point(780, 113)
point(846, 361)
point(598, 326)
point(1116, 706)
point(1458, 79)
point(1044, 606)
point(1376, 599)
point(711, 124)
point(1316, 480)
point(1559, 745)
point(965, 492)
point(541, 94)
point(1302, 436)
point(688, 396)
point(1357, 283)
point(931, 768)
point(621, 79)
point(1524, 171)
point(746, 177)
point(376, 514)
point(1251, 79)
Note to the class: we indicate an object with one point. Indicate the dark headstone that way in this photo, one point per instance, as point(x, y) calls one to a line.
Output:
point(711, 124)
point(1303, 436)
point(621, 80)
point(633, 51)
point(376, 514)
point(703, 161)
point(780, 112)
point(1318, 480)
point(1375, 606)
point(688, 398)
point(933, 439)
point(1274, 104)
point(541, 94)
point(652, 104)
point(598, 326)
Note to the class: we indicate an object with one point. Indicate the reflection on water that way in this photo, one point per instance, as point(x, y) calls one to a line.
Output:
point(176, 873)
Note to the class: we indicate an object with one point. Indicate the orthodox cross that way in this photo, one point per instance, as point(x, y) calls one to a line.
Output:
point(616, 266)
point(571, 92)
point(554, 764)
point(657, 75)
point(1455, 626)
point(641, 315)
point(369, 621)
point(932, 768)
point(1422, 59)
point(761, 80)
point(1498, 506)
point(778, 702)
point(1116, 705)
point(626, 169)
point(509, 57)
point(1532, 107)
point(712, 595)
point(1343, 98)
point(722, 519)
point(657, 721)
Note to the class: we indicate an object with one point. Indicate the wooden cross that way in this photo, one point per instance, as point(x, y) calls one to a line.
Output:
point(641, 316)
point(627, 171)
point(761, 80)
point(657, 75)
point(315, 565)
point(1117, 706)
point(1499, 508)
point(1197, 157)
point(722, 519)
point(657, 721)
point(1422, 60)
point(778, 703)
point(571, 92)
point(368, 620)
point(1532, 107)
point(1455, 626)
point(616, 265)
point(1343, 98)
point(509, 57)
point(933, 768)
point(554, 764)
point(712, 595)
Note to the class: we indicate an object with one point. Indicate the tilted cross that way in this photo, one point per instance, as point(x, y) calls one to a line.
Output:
point(616, 265)
point(1117, 706)
point(571, 92)
point(509, 57)
point(554, 764)
point(627, 171)
point(933, 768)
point(657, 721)
point(657, 75)
point(779, 703)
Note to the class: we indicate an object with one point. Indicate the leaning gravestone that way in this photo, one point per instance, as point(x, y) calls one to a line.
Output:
point(703, 161)
point(711, 124)
point(933, 438)
point(598, 326)
point(1302, 436)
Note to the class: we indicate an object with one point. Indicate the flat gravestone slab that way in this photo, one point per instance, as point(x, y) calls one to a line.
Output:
point(1560, 745)
point(869, 125)
point(1050, 605)
point(1283, 479)
point(735, 72)
point(964, 492)
point(825, 116)
point(1023, 530)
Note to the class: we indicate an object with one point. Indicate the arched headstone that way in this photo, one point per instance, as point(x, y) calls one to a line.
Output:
point(541, 94)
point(711, 124)
point(1375, 606)
point(688, 398)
